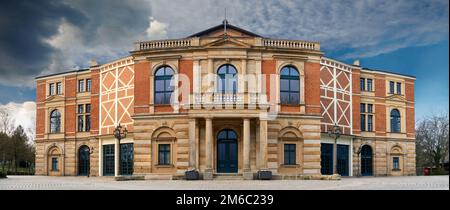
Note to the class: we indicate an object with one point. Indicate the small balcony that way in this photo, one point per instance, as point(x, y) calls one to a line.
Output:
point(229, 99)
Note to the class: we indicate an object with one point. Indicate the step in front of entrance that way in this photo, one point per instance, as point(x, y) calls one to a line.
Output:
point(228, 176)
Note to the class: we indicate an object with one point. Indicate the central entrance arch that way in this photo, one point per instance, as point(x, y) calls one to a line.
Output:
point(227, 151)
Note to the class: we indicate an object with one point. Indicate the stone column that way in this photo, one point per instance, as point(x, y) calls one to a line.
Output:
point(116, 157)
point(209, 138)
point(247, 171)
point(192, 148)
point(263, 144)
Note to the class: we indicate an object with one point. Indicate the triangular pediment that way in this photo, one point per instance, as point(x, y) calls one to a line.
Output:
point(227, 42)
point(220, 30)
point(397, 98)
point(53, 97)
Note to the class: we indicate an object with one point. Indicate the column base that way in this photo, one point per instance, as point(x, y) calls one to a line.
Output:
point(247, 174)
point(208, 174)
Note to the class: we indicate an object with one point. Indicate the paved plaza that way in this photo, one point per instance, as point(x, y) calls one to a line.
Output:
point(107, 183)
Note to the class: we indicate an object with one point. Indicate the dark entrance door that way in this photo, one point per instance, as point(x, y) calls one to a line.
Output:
point(108, 160)
point(126, 159)
point(366, 161)
point(227, 156)
point(83, 160)
point(326, 158)
point(342, 160)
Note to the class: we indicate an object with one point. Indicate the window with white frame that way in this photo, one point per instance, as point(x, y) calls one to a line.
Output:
point(366, 111)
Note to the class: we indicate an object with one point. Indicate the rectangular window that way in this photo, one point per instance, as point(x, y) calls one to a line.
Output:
point(289, 154)
point(88, 123)
point(58, 88)
point(54, 164)
point(396, 165)
point(391, 87)
point(362, 84)
point(369, 108)
point(88, 108)
point(370, 123)
point(363, 122)
point(80, 85)
point(164, 154)
point(108, 159)
point(369, 84)
point(88, 85)
point(51, 89)
point(80, 108)
point(362, 107)
point(399, 88)
point(80, 123)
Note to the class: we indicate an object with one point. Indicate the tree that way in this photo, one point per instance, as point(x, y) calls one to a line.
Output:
point(6, 120)
point(20, 148)
point(432, 145)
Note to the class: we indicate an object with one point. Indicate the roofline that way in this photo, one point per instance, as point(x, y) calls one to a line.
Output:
point(221, 26)
point(61, 73)
point(388, 72)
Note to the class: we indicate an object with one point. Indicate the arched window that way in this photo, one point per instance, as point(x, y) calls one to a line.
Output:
point(289, 85)
point(55, 121)
point(163, 89)
point(395, 121)
point(227, 81)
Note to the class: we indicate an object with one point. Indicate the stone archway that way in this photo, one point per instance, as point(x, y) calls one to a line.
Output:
point(55, 162)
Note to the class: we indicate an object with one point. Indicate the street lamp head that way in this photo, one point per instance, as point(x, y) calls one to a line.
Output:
point(335, 131)
point(120, 133)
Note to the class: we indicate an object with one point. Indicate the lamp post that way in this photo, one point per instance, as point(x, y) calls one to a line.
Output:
point(120, 133)
point(335, 133)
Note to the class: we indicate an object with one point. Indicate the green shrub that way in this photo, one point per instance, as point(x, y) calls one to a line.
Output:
point(2, 174)
point(440, 171)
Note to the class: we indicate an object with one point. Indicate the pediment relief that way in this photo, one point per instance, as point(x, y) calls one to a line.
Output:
point(54, 98)
point(397, 98)
point(227, 42)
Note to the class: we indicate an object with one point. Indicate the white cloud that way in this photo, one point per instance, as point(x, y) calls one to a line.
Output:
point(23, 114)
point(156, 29)
point(363, 28)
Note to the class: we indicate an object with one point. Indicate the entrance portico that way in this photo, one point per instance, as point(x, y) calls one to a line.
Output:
point(231, 145)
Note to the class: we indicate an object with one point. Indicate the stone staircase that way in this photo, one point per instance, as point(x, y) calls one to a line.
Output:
point(228, 176)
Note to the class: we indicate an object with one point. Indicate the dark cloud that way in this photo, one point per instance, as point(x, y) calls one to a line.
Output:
point(37, 36)
point(23, 26)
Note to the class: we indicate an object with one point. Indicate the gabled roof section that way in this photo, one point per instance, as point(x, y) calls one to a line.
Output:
point(221, 27)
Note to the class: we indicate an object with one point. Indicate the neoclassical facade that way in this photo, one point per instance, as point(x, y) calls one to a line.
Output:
point(225, 101)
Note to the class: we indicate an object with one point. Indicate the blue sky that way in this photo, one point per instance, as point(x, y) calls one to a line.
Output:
point(49, 36)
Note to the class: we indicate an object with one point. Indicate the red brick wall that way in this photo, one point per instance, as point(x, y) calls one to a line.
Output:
point(70, 118)
point(380, 87)
point(410, 123)
point(163, 108)
point(312, 88)
point(380, 119)
point(40, 91)
point(40, 110)
point(268, 68)
point(409, 90)
point(95, 89)
point(410, 118)
point(186, 69)
point(356, 99)
point(70, 87)
point(141, 86)
point(70, 107)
